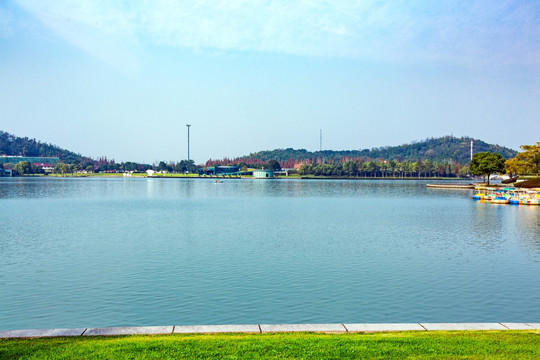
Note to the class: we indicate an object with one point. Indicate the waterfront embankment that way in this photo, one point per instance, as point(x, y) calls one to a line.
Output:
point(487, 344)
point(266, 328)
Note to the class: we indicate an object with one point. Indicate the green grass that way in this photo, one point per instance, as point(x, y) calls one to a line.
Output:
point(412, 345)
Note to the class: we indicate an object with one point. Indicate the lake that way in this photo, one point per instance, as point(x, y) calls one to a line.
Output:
point(95, 252)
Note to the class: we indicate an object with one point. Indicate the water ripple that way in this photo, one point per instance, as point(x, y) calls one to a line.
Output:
point(119, 252)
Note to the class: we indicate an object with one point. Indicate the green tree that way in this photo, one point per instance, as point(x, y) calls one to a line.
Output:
point(350, 167)
point(427, 166)
point(62, 168)
point(130, 166)
point(274, 165)
point(371, 167)
point(464, 171)
point(27, 168)
point(414, 167)
point(162, 166)
point(486, 164)
point(474, 166)
point(185, 166)
point(22, 167)
point(392, 167)
point(304, 170)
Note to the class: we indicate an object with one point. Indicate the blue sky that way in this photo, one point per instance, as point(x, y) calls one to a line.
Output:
point(123, 78)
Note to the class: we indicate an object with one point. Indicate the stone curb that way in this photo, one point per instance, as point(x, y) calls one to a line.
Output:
point(202, 329)
point(383, 327)
point(146, 330)
point(463, 326)
point(272, 328)
point(41, 333)
point(264, 328)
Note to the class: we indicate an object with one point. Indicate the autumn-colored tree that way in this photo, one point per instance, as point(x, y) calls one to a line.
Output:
point(526, 162)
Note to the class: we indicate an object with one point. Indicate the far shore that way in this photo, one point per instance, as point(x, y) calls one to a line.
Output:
point(221, 177)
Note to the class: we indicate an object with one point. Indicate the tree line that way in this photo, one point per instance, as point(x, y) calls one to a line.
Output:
point(178, 167)
point(526, 162)
point(382, 168)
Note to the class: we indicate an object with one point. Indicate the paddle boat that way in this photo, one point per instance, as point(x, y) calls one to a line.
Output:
point(499, 200)
point(531, 201)
point(511, 196)
point(478, 196)
point(483, 193)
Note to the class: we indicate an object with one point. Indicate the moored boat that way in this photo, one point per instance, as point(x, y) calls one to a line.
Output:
point(531, 202)
point(500, 200)
point(479, 196)
point(510, 196)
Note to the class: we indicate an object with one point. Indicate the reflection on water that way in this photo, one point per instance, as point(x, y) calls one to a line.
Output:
point(128, 251)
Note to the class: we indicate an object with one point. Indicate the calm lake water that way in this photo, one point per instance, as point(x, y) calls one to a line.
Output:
point(133, 252)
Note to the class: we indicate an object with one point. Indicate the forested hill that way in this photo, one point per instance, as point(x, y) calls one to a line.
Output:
point(440, 149)
point(18, 146)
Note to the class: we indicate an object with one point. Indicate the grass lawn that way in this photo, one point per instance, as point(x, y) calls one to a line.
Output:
point(505, 344)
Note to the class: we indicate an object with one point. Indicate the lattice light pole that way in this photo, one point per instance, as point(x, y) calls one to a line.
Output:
point(188, 125)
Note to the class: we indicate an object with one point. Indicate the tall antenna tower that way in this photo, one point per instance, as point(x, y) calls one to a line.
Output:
point(320, 142)
point(188, 125)
point(471, 148)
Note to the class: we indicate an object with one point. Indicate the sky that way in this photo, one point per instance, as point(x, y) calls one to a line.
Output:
point(123, 78)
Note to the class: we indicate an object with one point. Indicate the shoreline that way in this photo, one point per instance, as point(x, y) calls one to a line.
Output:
point(175, 176)
point(266, 329)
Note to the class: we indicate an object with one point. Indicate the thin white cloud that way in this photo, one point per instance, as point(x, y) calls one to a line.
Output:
point(464, 33)
point(104, 32)
point(6, 22)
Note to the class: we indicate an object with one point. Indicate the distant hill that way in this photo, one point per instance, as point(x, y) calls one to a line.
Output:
point(18, 146)
point(434, 149)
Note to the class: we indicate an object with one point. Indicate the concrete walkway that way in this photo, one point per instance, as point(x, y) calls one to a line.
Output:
point(264, 328)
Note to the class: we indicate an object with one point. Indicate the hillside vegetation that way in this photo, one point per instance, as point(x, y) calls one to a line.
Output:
point(19, 146)
point(442, 149)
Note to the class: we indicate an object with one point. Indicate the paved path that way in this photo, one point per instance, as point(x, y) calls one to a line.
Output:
point(265, 328)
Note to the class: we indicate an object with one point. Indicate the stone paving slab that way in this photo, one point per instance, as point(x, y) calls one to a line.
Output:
point(186, 329)
point(41, 333)
point(24, 333)
point(146, 330)
point(302, 327)
point(67, 332)
point(463, 326)
point(517, 326)
point(383, 327)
